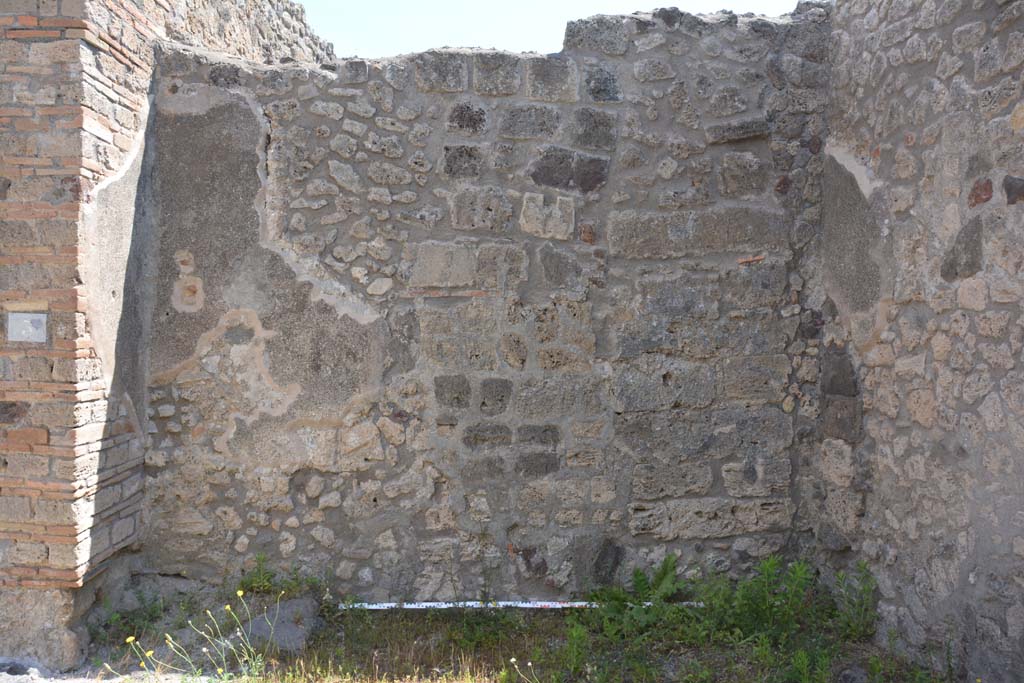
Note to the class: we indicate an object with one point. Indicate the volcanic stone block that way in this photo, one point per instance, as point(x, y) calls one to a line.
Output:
point(486, 435)
point(462, 161)
point(452, 391)
point(745, 129)
point(653, 70)
point(601, 83)
point(547, 436)
point(565, 169)
point(529, 121)
point(838, 376)
point(594, 129)
point(964, 258)
point(1013, 187)
point(536, 464)
point(439, 71)
point(495, 394)
point(841, 418)
point(496, 73)
point(552, 79)
point(742, 174)
point(599, 34)
point(467, 118)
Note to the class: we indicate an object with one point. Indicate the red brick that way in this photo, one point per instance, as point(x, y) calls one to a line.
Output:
point(30, 435)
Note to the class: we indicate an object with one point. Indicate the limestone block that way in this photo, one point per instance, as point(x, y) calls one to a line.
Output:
point(703, 518)
point(653, 481)
point(555, 221)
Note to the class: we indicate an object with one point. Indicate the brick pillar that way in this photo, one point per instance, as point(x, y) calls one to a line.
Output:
point(70, 461)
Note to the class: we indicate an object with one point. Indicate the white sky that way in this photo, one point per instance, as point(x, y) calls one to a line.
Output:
point(384, 28)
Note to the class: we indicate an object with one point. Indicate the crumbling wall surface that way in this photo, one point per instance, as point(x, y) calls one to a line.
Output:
point(927, 167)
point(74, 82)
point(472, 323)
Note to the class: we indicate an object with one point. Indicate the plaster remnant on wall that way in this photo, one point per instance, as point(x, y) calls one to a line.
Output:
point(228, 371)
point(188, 293)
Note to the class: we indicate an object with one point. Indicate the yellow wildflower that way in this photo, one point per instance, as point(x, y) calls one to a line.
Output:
point(227, 607)
point(130, 639)
point(239, 593)
point(149, 653)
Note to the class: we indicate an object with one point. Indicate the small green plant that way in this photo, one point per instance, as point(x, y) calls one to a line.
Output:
point(260, 579)
point(577, 645)
point(116, 625)
point(856, 603)
point(229, 649)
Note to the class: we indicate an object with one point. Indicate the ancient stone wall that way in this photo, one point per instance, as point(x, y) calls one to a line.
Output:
point(925, 199)
point(74, 82)
point(473, 323)
point(470, 323)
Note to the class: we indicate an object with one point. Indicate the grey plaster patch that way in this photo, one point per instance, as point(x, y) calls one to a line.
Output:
point(850, 241)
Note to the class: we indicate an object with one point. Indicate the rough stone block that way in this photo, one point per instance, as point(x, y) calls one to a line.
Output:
point(495, 395)
point(656, 481)
point(467, 118)
point(544, 436)
point(439, 71)
point(569, 170)
point(486, 435)
point(703, 518)
point(602, 83)
point(486, 209)
point(452, 391)
point(837, 462)
point(648, 235)
point(529, 121)
point(536, 464)
point(754, 378)
point(758, 475)
point(756, 285)
point(646, 70)
point(742, 174)
point(552, 79)
point(463, 161)
point(659, 383)
point(745, 129)
point(443, 265)
point(555, 221)
point(963, 259)
point(606, 34)
point(1013, 188)
point(841, 418)
point(594, 129)
point(496, 73)
point(838, 375)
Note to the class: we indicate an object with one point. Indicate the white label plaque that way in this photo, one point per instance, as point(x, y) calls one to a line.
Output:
point(26, 327)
